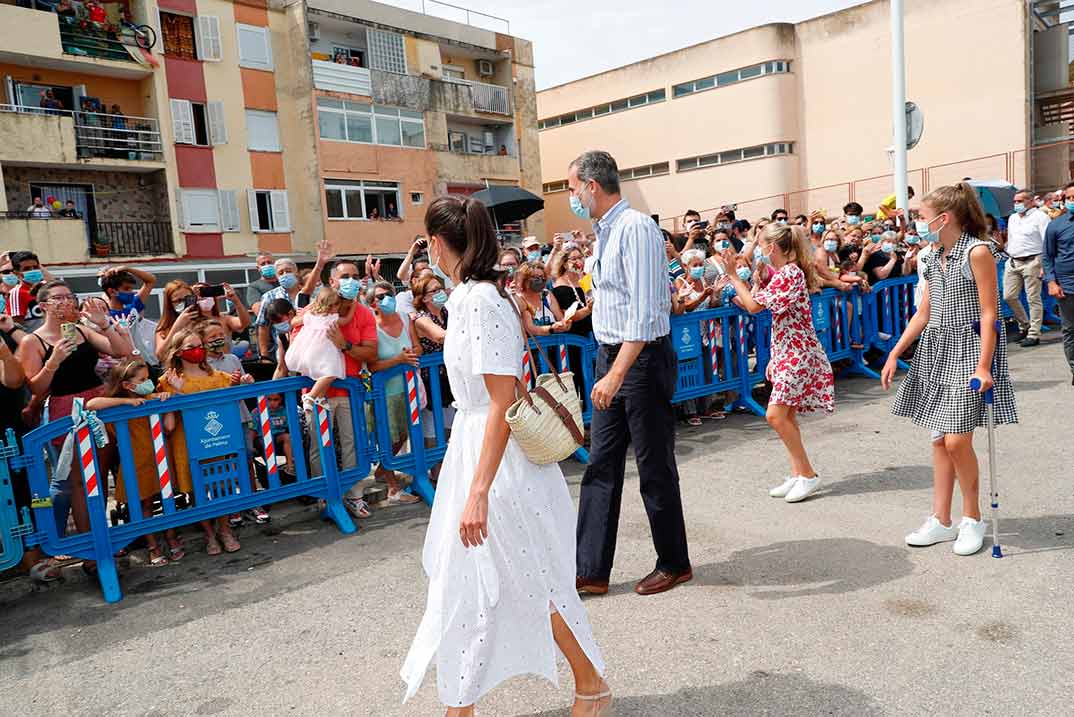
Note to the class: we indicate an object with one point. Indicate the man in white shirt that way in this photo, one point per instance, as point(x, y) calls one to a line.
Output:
point(1025, 243)
point(38, 210)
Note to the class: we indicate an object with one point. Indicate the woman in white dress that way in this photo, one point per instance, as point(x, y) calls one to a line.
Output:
point(499, 552)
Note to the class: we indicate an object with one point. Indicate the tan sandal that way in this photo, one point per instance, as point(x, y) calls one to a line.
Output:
point(231, 544)
point(598, 710)
point(212, 546)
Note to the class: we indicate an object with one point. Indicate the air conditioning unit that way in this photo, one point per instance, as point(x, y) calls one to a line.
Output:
point(313, 29)
point(485, 68)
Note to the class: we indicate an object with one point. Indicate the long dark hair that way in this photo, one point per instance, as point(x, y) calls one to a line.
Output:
point(464, 223)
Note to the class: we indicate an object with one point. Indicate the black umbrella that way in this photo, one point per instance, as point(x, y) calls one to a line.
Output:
point(509, 204)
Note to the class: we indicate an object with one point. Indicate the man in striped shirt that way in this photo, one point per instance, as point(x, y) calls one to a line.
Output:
point(636, 378)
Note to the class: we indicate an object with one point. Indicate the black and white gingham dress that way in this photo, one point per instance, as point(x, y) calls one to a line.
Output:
point(935, 393)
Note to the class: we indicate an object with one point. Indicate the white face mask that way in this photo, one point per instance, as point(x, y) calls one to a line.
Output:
point(435, 266)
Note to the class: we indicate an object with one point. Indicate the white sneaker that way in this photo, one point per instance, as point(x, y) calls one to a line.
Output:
point(781, 490)
point(971, 535)
point(803, 487)
point(932, 531)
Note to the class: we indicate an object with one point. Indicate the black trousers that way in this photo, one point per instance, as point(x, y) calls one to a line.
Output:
point(641, 414)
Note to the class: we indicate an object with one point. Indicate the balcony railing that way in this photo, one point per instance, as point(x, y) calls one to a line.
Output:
point(98, 134)
point(491, 98)
point(336, 77)
point(133, 238)
point(80, 36)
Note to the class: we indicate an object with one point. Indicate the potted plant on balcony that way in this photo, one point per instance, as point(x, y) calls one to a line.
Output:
point(102, 244)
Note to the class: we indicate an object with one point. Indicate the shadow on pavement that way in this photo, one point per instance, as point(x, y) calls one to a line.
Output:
point(1041, 534)
point(760, 694)
point(798, 568)
point(888, 479)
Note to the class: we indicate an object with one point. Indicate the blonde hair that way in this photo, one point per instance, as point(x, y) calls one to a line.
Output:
point(959, 200)
point(792, 241)
point(171, 357)
point(326, 301)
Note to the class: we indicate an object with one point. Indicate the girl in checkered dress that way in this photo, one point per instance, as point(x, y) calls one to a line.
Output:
point(961, 293)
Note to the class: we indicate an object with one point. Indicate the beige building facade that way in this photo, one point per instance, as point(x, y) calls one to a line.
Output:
point(799, 115)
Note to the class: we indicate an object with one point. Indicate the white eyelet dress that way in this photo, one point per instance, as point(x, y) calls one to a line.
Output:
point(488, 612)
point(935, 393)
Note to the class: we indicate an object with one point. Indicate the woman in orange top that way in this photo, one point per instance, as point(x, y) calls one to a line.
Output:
point(188, 372)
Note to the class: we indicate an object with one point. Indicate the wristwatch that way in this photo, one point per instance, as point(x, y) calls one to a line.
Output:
point(348, 347)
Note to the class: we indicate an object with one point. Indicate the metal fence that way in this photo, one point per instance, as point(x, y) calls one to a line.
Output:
point(491, 98)
point(133, 238)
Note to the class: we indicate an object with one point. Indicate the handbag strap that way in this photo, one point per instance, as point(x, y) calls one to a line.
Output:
point(529, 337)
point(563, 412)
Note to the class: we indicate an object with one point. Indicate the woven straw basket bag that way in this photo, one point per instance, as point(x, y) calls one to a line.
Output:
point(547, 421)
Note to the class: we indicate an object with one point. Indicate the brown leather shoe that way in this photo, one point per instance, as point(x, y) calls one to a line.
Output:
point(593, 587)
point(658, 581)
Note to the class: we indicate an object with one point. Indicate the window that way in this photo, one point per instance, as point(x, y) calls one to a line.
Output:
point(198, 124)
point(364, 199)
point(604, 108)
point(268, 210)
point(348, 56)
point(386, 51)
point(454, 73)
point(178, 35)
point(730, 77)
point(370, 124)
point(255, 47)
point(262, 131)
point(416, 198)
point(648, 170)
point(207, 37)
point(560, 186)
point(457, 141)
point(731, 156)
point(199, 210)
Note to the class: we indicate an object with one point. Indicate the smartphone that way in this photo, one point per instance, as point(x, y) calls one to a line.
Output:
point(69, 332)
point(211, 291)
point(703, 224)
point(189, 301)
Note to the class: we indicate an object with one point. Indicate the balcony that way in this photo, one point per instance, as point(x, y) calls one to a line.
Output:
point(49, 136)
point(133, 238)
point(336, 77)
point(55, 241)
point(46, 40)
point(469, 98)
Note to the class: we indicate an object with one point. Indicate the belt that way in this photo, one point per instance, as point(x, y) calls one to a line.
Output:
point(613, 349)
point(1031, 257)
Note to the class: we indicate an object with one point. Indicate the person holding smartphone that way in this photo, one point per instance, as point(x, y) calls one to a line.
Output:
point(184, 308)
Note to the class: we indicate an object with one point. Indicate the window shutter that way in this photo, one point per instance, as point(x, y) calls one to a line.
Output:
point(281, 216)
point(217, 123)
point(182, 122)
point(251, 195)
point(180, 210)
point(207, 37)
point(262, 131)
point(229, 210)
point(155, 17)
point(255, 47)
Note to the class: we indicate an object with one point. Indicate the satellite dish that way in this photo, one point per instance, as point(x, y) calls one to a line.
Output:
point(915, 125)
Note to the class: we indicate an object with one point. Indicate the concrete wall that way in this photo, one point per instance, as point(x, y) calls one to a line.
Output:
point(394, 17)
point(55, 241)
point(46, 139)
point(456, 168)
point(834, 106)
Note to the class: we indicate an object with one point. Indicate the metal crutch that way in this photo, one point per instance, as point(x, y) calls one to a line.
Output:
point(990, 424)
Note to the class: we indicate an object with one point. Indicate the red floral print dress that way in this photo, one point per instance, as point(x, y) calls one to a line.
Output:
point(799, 369)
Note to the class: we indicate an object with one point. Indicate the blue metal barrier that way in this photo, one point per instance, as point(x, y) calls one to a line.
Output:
point(14, 524)
point(386, 400)
point(887, 310)
point(221, 481)
point(837, 318)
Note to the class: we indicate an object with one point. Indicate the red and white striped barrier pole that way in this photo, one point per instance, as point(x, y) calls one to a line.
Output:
point(563, 358)
point(160, 454)
point(713, 351)
point(906, 303)
point(527, 369)
point(89, 470)
point(323, 425)
point(266, 435)
point(412, 396)
point(838, 323)
point(742, 320)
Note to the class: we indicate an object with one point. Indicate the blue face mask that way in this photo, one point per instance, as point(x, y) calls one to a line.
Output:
point(268, 271)
point(913, 239)
point(580, 210)
point(533, 256)
point(887, 248)
point(349, 287)
point(925, 233)
point(387, 305)
point(759, 255)
point(440, 298)
point(818, 228)
point(33, 276)
point(874, 238)
point(696, 272)
point(1069, 206)
point(853, 219)
point(1019, 207)
point(744, 273)
point(11, 279)
point(282, 327)
point(831, 245)
point(144, 388)
point(288, 281)
point(125, 297)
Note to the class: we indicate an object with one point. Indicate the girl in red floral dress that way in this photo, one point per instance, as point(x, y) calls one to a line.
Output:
point(799, 370)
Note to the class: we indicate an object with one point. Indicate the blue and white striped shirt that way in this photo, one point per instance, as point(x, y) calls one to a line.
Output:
point(631, 298)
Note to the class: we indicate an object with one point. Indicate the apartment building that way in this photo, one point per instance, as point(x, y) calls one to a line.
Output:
point(410, 106)
point(799, 115)
point(191, 134)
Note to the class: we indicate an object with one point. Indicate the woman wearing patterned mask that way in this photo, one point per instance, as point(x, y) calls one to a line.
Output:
point(540, 310)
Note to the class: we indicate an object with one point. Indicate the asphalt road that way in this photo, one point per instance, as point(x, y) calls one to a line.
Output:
point(810, 609)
